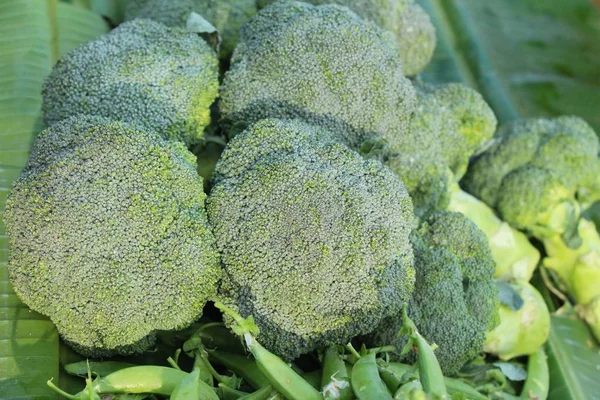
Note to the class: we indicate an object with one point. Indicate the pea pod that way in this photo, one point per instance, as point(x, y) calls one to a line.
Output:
point(366, 383)
point(191, 387)
point(313, 378)
point(537, 383)
point(241, 366)
point(141, 379)
point(102, 368)
point(227, 393)
point(261, 394)
point(335, 382)
point(405, 390)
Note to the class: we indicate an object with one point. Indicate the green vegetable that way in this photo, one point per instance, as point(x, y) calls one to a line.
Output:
point(538, 377)
point(522, 331)
point(162, 79)
point(101, 368)
point(322, 64)
point(298, 217)
point(335, 382)
point(455, 299)
point(366, 383)
point(240, 365)
point(191, 387)
point(408, 22)
point(227, 16)
point(123, 212)
point(450, 123)
point(280, 375)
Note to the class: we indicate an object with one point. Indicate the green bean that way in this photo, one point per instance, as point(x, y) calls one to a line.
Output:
point(335, 382)
point(141, 379)
point(282, 376)
point(241, 366)
point(101, 368)
point(537, 383)
point(365, 380)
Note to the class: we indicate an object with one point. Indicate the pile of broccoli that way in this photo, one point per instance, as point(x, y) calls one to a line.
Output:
point(331, 215)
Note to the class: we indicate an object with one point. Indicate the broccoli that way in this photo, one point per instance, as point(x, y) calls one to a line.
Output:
point(314, 239)
point(540, 174)
point(162, 79)
point(455, 300)
point(227, 16)
point(450, 123)
point(108, 235)
point(321, 64)
point(410, 24)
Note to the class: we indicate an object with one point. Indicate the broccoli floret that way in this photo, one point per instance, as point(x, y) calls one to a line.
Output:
point(455, 301)
point(322, 64)
point(108, 235)
point(534, 171)
point(314, 239)
point(162, 79)
point(227, 16)
point(450, 123)
point(410, 24)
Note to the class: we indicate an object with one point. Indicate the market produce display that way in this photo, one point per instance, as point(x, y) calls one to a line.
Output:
point(291, 211)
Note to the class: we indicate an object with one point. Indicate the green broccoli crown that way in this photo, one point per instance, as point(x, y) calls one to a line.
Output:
point(314, 239)
point(450, 123)
point(534, 170)
point(455, 300)
point(108, 235)
point(324, 65)
point(163, 79)
point(410, 24)
point(227, 16)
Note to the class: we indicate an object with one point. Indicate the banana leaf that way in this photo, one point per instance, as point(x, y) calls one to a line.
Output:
point(530, 58)
point(33, 34)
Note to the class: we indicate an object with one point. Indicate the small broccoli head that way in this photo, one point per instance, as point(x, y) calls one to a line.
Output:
point(162, 79)
point(409, 23)
point(108, 235)
point(455, 301)
point(322, 64)
point(227, 16)
point(314, 239)
point(450, 123)
point(534, 171)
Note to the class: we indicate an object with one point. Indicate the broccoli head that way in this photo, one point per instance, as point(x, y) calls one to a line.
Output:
point(314, 239)
point(410, 24)
point(455, 300)
point(322, 64)
point(534, 172)
point(450, 123)
point(108, 235)
point(162, 79)
point(227, 16)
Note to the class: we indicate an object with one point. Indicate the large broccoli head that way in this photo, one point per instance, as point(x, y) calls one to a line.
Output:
point(163, 79)
point(535, 172)
point(108, 235)
point(322, 64)
point(410, 24)
point(314, 239)
point(227, 16)
point(455, 301)
point(450, 123)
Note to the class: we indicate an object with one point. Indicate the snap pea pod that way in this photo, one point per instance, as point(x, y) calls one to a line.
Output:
point(282, 376)
point(261, 394)
point(191, 387)
point(403, 391)
point(313, 378)
point(335, 382)
point(141, 379)
point(241, 366)
point(227, 393)
point(366, 383)
point(101, 368)
point(537, 383)
point(218, 336)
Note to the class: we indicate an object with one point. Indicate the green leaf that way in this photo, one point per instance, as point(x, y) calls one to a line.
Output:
point(33, 34)
point(508, 296)
point(529, 58)
point(573, 359)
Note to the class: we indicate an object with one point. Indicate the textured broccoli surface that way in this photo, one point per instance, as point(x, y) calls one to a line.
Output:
point(450, 123)
point(410, 24)
point(108, 235)
point(322, 64)
point(455, 301)
point(535, 171)
point(227, 16)
point(314, 239)
point(163, 79)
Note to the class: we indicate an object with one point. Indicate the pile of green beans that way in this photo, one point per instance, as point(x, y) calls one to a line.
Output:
point(224, 369)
